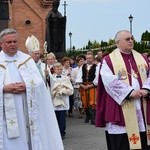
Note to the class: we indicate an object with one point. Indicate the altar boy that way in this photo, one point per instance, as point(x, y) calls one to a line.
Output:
point(61, 89)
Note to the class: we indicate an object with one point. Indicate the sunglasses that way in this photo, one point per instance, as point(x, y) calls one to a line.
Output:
point(129, 38)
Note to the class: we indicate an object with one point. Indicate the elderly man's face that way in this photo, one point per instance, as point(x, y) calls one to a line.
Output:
point(36, 56)
point(9, 44)
point(125, 42)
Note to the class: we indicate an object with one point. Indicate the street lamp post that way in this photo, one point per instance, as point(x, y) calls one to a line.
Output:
point(130, 19)
point(70, 35)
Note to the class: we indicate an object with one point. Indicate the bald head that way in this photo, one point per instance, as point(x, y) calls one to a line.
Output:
point(124, 41)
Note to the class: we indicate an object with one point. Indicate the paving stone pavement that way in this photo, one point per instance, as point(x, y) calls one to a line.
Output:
point(83, 136)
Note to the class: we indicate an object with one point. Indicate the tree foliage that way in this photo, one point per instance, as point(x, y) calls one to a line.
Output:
point(145, 36)
point(142, 46)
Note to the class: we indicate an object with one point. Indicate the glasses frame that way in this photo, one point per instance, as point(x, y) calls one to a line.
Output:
point(129, 38)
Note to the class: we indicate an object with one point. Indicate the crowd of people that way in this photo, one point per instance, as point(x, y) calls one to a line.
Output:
point(37, 94)
point(72, 82)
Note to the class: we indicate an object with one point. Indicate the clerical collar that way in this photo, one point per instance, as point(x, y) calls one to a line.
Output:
point(125, 52)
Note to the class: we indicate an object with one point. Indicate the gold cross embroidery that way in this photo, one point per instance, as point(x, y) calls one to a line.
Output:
point(12, 122)
point(32, 83)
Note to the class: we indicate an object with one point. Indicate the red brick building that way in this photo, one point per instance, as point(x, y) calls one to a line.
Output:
point(27, 17)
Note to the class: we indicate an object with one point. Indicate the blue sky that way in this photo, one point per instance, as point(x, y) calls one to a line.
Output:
point(101, 19)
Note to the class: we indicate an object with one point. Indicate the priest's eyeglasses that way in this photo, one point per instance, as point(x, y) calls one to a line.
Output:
point(129, 38)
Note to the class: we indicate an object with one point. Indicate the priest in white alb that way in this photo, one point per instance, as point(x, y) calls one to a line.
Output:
point(27, 118)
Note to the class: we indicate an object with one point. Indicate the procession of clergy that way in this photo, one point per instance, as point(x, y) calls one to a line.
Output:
point(37, 94)
point(73, 85)
point(72, 82)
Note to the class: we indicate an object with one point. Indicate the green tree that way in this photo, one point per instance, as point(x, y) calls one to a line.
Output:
point(103, 43)
point(145, 36)
point(111, 42)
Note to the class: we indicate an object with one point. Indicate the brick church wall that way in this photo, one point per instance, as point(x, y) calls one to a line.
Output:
point(27, 17)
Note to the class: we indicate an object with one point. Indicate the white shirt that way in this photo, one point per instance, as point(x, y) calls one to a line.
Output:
point(80, 73)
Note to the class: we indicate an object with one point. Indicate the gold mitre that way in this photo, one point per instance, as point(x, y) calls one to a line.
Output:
point(32, 44)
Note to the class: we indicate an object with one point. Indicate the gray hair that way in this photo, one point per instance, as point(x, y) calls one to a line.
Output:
point(117, 36)
point(51, 55)
point(6, 32)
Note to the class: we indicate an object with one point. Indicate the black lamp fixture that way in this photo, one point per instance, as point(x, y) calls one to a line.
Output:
point(70, 35)
point(130, 19)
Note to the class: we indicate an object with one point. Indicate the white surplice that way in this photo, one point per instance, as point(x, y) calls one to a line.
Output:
point(34, 108)
point(119, 94)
